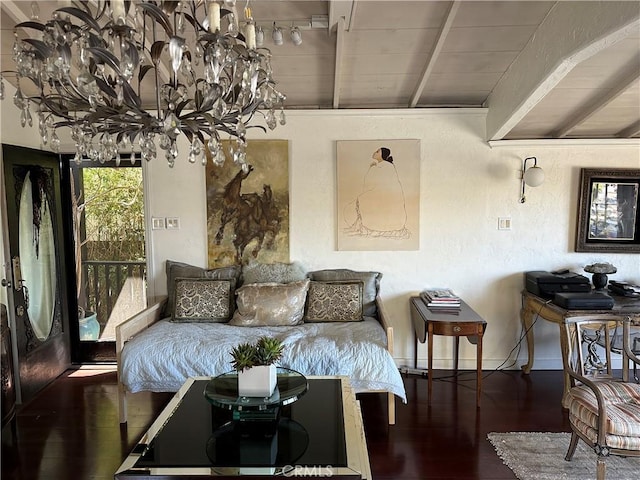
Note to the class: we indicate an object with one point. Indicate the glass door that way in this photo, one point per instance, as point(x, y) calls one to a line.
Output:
point(109, 233)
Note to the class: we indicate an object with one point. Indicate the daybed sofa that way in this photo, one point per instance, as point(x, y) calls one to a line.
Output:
point(332, 322)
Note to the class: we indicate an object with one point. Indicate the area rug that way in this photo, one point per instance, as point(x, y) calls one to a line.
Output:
point(540, 456)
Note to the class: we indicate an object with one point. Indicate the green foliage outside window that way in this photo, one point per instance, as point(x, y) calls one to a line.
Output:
point(109, 235)
point(114, 214)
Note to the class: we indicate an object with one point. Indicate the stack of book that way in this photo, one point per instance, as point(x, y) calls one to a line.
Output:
point(441, 299)
point(624, 288)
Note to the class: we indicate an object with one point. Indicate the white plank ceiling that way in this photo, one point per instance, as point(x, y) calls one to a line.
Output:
point(543, 69)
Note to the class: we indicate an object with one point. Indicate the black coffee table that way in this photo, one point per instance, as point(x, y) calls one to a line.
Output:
point(319, 435)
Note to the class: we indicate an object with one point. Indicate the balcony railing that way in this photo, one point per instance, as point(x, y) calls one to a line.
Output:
point(115, 290)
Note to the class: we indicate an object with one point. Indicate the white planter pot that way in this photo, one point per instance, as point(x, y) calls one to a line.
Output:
point(257, 381)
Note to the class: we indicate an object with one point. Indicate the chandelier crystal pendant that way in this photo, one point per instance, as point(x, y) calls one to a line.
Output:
point(92, 61)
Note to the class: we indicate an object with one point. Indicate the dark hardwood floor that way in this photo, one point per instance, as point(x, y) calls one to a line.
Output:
point(70, 430)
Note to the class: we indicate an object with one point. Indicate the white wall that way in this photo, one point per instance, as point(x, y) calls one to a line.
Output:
point(465, 187)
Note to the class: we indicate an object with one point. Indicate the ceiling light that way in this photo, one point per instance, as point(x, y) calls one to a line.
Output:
point(296, 36)
point(532, 176)
point(276, 35)
point(88, 62)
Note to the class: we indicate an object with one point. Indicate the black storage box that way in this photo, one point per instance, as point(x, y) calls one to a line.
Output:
point(547, 284)
point(584, 301)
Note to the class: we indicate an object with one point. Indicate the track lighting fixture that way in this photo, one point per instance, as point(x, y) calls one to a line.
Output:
point(259, 36)
point(296, 36)
point(277, 35)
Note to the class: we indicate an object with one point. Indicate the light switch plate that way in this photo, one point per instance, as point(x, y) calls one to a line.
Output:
point(504, 223)
point(158, 223)
point(173, 223)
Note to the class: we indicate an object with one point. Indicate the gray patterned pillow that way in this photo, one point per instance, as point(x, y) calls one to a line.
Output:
point(371, 284)
point(184, 270)
point(256, 272)
point(203, 300)
point(334, 302)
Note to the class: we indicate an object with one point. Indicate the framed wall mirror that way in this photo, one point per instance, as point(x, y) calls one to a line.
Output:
point(609, 211)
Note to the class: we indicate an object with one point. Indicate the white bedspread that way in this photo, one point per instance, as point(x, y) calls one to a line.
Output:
point(162, 357)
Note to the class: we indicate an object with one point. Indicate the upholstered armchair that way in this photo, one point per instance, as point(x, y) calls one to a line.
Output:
point(603, 403)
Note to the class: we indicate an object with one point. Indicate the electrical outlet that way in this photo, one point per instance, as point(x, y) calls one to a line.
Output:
point(504, 223)
point(173, 223)
point(158, 223)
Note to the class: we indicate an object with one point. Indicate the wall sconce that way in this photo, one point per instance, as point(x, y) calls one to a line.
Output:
point(533, 176)
point(276, 35)
point(296, 36)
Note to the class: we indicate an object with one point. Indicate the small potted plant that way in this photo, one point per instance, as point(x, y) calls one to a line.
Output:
point(255, 364)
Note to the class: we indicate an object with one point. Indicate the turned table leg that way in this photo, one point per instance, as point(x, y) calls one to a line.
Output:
point(526, 316)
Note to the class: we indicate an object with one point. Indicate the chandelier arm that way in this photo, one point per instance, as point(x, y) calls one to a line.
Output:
point(85, 6)
point(101, 8)
point(205, 121)
point(157, 80)
point(169, 6)
point(41, 49)
point(29, 24)
point(107, 57)
point(159, 16)
point(193, 19)
point(72, 93)
point(130, 96)
point(53, 107)
point(83, 15)
point(35, 80)
point(260, 127)
point(113, 124)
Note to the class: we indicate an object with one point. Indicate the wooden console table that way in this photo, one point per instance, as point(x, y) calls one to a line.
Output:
point(467, 323)
point(534, 306)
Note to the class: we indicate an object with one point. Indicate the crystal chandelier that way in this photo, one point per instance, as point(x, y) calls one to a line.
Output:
point(89, 61)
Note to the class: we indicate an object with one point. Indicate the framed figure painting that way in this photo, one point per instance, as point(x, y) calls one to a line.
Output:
point(378, 194)
point(248, 209)
point(609, 211)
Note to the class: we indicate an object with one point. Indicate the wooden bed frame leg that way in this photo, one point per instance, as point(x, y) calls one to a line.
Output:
point(122, 403)
point(392, 408)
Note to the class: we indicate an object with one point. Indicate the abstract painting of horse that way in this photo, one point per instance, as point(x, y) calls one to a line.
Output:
point(248, 211)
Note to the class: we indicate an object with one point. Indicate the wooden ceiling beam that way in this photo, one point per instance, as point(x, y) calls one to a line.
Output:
point(571, 33)
point(337, 76)
point(341, 9)
point(16, 14)
point(631, 131)
point(435, 53)
point(621, 85)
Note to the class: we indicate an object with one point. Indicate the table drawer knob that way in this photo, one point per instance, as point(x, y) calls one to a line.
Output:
point(456, 329)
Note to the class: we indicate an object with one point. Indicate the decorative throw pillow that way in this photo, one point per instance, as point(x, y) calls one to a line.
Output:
point(255, 272)
point(183, 270)
point(261, 304)
point(371, 282)
point(334, 302)
point(203, 300)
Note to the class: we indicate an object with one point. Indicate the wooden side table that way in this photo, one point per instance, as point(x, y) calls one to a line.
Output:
point(466, 323)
